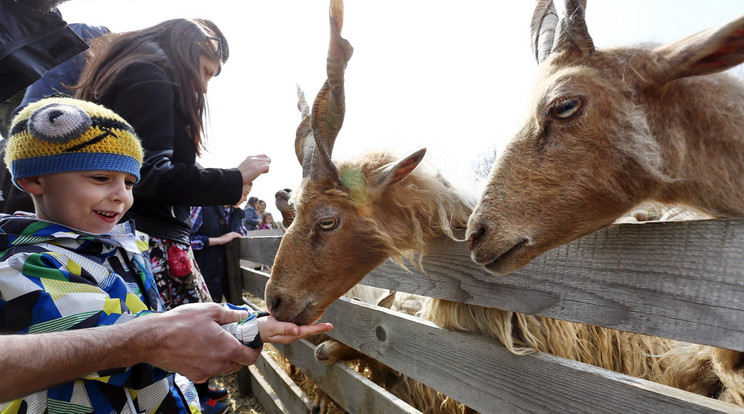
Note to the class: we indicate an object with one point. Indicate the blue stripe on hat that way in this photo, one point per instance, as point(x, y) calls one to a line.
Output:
point(81, 161)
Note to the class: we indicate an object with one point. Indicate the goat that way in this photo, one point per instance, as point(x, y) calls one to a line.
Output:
point(609, 129)
point(352, 215)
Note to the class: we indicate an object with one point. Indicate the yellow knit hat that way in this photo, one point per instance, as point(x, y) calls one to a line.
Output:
point(61, 134)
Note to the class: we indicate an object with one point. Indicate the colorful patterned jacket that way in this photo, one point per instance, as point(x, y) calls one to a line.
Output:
point(45, 270)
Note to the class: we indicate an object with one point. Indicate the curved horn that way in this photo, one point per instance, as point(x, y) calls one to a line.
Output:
point(329, 105)
point(304, 134)
point(544, 23)
point(573, 32)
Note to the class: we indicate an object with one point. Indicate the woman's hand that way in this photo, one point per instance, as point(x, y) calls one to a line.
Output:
point(252, 167)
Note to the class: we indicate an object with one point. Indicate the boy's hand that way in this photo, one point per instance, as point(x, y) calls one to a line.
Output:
point(275, 332)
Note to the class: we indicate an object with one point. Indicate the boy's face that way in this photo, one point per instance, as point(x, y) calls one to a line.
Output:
point(91, 201)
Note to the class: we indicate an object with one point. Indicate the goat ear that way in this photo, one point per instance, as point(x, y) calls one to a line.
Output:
point(394, 172)
point(709, 51)
point(573, 34)
point(544, 23)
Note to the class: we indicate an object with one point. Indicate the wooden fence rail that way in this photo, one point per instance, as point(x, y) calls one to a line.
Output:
point(681, 280)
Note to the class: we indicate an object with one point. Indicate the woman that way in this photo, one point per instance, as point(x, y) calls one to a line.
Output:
point(156, 79)
point(251, 220)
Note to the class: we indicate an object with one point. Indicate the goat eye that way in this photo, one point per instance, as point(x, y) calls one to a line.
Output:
point(566, 108)
point(328, 223)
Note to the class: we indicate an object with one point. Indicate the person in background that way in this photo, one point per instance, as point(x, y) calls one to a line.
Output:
point(61, 78)
point(33, 39)
point(212, 227)
point(156, 78)
point(267, 222)
point(251, 215)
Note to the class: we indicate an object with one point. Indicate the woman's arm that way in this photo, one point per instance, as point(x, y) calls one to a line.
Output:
point(143, 95)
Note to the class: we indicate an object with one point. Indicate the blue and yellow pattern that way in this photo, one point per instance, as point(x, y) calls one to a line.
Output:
point(53, 278)
point(59, 134)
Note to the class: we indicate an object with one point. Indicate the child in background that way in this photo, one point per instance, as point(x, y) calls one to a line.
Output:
point(72, 268)
point(267, 222)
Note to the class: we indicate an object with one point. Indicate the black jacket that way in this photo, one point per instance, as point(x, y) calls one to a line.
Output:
point(171, 180)
point(31, 43)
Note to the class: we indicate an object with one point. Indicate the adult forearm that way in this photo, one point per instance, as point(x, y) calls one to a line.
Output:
point(174, 341)
point(35, 362)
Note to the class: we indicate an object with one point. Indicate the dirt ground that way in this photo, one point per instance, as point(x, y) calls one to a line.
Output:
point(248, 404)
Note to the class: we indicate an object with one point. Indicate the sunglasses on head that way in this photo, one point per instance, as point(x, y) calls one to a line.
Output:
point(216, 42)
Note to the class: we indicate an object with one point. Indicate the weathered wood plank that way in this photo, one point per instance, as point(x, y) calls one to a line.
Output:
point(484, 375)
point(351, 391)
point(260, 249)
point(682, 280)
point(265, 394)
point(234, 292)
point(284, 387)
point(487, 377)
point(254, 281)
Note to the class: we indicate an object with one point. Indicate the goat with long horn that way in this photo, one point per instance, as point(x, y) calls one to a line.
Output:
point(336, 205)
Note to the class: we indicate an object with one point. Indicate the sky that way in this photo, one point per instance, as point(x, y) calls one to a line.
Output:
point(452, 76)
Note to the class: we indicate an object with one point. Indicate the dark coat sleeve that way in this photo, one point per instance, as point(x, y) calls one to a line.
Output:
point(143, 95)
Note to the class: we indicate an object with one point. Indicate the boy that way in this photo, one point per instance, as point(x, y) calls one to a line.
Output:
point(72, 268)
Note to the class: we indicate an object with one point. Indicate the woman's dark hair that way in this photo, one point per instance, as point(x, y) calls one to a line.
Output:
point(174, 45)
point(252, 200)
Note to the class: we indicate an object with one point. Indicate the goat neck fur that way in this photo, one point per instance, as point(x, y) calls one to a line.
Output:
point(704, 370)
point(609, 129)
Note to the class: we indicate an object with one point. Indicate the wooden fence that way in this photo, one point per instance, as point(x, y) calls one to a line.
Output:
point(680, 280)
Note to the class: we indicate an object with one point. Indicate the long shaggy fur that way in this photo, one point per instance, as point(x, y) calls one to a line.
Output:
point(422, 207)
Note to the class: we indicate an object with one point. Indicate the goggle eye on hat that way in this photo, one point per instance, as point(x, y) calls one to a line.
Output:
point(58, 123)
point(62, 134)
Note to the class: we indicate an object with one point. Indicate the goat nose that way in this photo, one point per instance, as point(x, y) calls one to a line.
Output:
point(475, 235)
point(273, 302)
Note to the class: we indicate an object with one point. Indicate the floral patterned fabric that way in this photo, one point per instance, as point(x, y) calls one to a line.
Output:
point(176, 273)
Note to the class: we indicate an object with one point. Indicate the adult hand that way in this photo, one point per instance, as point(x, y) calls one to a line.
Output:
point(252, 167)
point(189, 340)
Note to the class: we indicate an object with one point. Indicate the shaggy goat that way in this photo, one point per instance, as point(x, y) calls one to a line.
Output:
point(609, 129)
point(352, 216)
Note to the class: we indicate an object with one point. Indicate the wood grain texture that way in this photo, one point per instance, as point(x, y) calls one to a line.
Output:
point(264, 393)
point(481, 373)
point(289, 393)
point(353, 392)
point(681, 280)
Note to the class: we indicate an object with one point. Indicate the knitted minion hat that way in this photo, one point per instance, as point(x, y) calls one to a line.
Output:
point(61, 134)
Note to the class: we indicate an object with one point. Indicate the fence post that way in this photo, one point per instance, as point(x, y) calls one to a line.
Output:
point(234, 277)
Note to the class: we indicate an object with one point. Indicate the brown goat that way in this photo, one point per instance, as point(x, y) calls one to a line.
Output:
point(609, 129)
point(353, 215)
